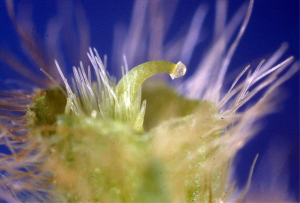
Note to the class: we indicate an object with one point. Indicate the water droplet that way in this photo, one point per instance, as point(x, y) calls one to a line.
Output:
point(180, 70)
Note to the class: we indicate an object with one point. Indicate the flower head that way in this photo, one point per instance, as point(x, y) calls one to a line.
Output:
point(94, 139)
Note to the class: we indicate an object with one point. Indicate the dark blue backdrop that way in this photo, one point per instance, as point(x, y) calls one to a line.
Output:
point(272, 22)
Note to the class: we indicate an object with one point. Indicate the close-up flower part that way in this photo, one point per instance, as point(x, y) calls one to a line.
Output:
point(130, 134)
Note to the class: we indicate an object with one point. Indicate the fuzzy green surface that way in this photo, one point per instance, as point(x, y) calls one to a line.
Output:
point(47, 105)
point(106, 160)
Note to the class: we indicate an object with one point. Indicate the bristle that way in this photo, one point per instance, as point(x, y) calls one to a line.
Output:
point(241, 197)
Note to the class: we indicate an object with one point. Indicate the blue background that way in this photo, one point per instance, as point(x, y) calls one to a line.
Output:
point(272, 22)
